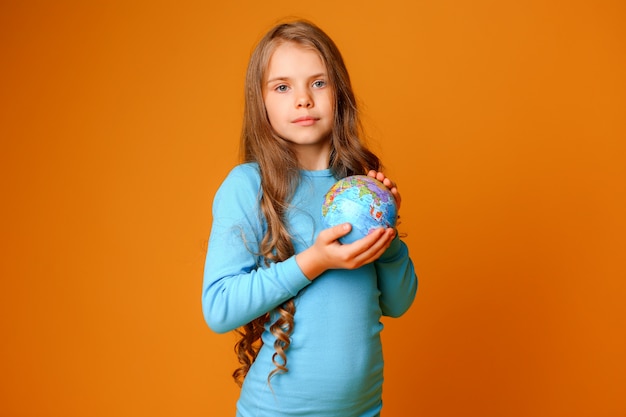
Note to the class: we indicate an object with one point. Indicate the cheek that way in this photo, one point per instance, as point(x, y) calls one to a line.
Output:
point(274, 118)
point(274, 114)
point(329, 101)
point(270, 108)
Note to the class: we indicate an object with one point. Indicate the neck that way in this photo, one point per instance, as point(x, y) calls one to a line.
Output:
point(313, 157)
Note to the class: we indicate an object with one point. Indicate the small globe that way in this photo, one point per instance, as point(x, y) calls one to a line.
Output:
point(362, 201)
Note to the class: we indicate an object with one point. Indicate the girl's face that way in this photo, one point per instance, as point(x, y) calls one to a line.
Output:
point(298, 99)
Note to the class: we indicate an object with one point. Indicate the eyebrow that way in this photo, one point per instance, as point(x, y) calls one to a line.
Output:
point(281, 78)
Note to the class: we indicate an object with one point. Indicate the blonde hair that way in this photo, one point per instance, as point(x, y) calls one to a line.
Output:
point(279, 168)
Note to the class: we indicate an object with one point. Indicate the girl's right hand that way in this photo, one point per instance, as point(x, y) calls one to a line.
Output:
point(328, 253)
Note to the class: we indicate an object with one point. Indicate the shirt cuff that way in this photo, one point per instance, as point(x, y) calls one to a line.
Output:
point(294, 278)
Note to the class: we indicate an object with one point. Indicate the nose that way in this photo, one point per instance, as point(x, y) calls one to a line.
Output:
point(304, 100)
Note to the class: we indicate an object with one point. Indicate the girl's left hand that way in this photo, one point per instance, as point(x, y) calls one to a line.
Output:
point(388, 183)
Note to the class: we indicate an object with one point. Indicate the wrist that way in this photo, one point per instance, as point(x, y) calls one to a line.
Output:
point(309, 264)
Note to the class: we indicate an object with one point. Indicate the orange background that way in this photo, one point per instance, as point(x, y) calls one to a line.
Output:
point(504, 124)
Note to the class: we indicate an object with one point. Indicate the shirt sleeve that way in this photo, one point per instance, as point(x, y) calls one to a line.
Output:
point(397, 281)
point(237, 287)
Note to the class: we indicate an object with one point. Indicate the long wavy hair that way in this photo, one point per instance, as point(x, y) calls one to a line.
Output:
point(279, 169)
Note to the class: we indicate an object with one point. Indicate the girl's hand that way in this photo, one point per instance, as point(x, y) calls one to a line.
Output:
point(328, 253)
point(388, 183)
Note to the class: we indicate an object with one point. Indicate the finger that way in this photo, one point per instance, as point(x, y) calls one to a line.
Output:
point(383, 243)
point(371, 173)
point(372, 242)
point(396, 195)
point(361, 245)
point(379, 247)
point(388, 183)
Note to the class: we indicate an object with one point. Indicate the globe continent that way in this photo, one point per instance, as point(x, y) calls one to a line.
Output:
point(362, 201)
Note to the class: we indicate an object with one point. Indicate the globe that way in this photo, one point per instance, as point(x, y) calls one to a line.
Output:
point(362, 201)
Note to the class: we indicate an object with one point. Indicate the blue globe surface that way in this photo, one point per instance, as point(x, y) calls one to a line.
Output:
point(362, 201)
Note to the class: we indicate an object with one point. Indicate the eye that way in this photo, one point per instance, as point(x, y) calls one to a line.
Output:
point(319, 84)
point(281, 88)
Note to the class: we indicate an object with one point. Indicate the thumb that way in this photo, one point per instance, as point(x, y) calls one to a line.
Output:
point(337, 231)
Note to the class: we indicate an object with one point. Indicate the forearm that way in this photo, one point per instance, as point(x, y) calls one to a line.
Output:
point(230, 301)
point(397, 281)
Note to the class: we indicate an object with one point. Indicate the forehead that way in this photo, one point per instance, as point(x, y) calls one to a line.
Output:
point(290, 58)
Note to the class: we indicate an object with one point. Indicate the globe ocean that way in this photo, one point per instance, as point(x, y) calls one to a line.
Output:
point(362, 201)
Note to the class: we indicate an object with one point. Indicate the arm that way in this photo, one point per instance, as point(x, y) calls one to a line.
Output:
point(397, 281)
point(236, 289)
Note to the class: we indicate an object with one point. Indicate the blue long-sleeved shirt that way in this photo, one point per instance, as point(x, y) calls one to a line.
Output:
point(335, 359)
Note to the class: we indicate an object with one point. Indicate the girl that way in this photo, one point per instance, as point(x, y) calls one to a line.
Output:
point(307, 307)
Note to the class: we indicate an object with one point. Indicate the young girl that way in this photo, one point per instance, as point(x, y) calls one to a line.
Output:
point(307, 308)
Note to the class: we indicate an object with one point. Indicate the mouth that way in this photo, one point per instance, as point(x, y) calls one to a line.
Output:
point(305, 121)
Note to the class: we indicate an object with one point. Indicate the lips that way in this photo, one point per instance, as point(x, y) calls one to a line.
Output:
point(305, 121)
